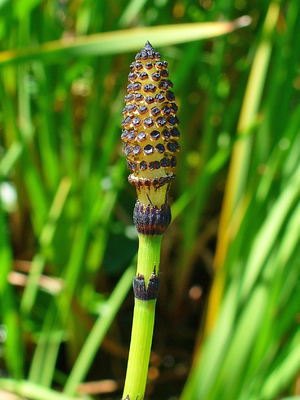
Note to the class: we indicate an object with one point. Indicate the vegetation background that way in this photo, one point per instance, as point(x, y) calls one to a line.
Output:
point(67, 242)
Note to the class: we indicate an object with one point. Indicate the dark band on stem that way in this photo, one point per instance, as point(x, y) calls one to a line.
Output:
point(139, 287)
point(151, 220)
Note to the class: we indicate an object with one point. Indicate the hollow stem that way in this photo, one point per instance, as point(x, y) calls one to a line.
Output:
point(143, 322)
point(148, 255)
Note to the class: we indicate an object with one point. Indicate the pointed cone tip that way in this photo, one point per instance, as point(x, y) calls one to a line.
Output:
point(148, 51)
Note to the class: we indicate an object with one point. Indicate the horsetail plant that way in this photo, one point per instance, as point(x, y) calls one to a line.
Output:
point(150, 136)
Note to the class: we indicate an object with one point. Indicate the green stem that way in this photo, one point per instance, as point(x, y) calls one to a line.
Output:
point(143, 322)
point(140, 348)
point(148, 255)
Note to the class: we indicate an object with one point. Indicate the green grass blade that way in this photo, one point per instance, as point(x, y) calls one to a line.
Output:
point(268, 233)
point(45, 240)
point(245, 331)
point(99, 330)
point(34, 391)
point(284, 373)
point(131, 12)
point(210, 357)
point(14, 352)
point(9, 159)
point(122, 41)
point(238, 173)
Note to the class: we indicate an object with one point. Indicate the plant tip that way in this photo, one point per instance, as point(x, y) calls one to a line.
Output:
point(150, 137)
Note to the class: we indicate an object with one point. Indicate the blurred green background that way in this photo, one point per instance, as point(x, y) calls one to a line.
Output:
point(228, 313)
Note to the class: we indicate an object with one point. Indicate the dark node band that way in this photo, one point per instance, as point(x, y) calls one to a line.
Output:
point(139, 287)
point(150, 220)
point(156, 182)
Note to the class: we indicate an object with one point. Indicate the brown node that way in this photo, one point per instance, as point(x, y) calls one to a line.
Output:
point(141, 292)
point(143, 165)
point(132, 76)
point(172, 121)
point(145, 55)
point(161, 121)
point(125, 110)
point(170, 84)
point(150, 88)
point(173, 162)
point(151, 166)
point(128, 150)
point(148, 65)
point(174, 107)
point(155, 135)
point(138, 66)
point(141, 136)
point(148, 122)
point(131, 136)
point(137, 150)
point(155, 183)
point(163, 85)
point(175, 132)
point(149, 100)
point(164, 162)
point(155, 111)
point(157, 164)
point(160, 98)
point(166, 110)
point(138, 97)
point(151, 220)
point(159, 65)
point(130, 88)
point(136, 122)
point(170, 95)
point(124, 135)
point(156, 76)
point(148, 150)
point(143, 110)
point(129, 97)
point(134, 166)
point(143, 75)
point(126, 122)
point(137, 86)
point(131, 107)
point(153, 276)
point(171, 146)
point(160, 148)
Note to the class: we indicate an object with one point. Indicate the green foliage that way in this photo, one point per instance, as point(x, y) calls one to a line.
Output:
point(67, 239)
